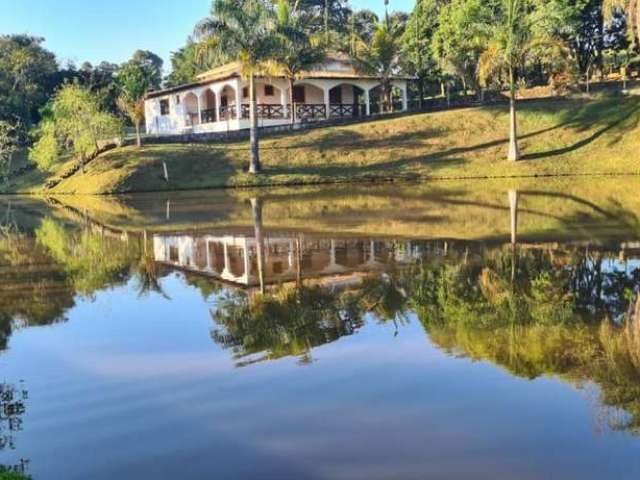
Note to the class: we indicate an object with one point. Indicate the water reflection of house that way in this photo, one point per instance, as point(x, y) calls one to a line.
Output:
point(233, 258)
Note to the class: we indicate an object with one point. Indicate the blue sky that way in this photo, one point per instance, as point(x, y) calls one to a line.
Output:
point(111, 30)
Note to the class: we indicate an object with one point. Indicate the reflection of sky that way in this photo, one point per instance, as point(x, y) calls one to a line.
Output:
point(136, 388)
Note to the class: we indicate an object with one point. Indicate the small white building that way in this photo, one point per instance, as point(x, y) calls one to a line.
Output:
point(219, 100)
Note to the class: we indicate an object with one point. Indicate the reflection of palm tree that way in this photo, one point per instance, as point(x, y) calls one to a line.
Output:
point(256, 209)
point(147, 276)
point(385, 297)
point(287, 322)
point(147, 272)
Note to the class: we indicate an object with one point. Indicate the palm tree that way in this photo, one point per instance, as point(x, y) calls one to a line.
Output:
point(380, 57)
point(297, 51)
point(513, 40)
point(246, 30)
point(134, 82)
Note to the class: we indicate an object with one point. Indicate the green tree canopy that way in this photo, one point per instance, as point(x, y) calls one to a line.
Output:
point(74, 124)
point(27, 74)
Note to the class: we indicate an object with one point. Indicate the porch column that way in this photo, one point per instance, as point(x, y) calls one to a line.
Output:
point(218, 93)
point(405, 100)
point(239, 99)
point(199, 109)
point(327, 102)
point(367, 102)
point(216, 113)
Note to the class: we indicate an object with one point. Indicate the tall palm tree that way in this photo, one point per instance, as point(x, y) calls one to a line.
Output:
point(244, 29)
point(297, 51)
point(380, 57)
point(513, 40)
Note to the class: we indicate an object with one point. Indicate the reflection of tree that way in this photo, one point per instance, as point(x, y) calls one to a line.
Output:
point(289, 322)
point(33, 289)
point(12, 408)
point(90, 260)
point(147, 272)
point(560, 315)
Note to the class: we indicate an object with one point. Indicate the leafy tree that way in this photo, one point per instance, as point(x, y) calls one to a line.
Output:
point(186, 64)
point(246, 30)
point(151, 64)
point(460, 37)
point(329, 17)
point(134, 82)
point(416, 43)
point(362, 26)
point(74, 124)
point(632, 9)
point(27, 74)
point(380, 57)
point(8, 147)
point(296, 52)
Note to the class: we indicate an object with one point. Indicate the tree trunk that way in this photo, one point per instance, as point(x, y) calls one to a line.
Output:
point(514, 151)
point(138, 138)
point(292, 105)
point(254, 166)
point(256, 208)
point(421, 92)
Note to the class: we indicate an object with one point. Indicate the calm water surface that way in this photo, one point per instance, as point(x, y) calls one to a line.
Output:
point(443, 331)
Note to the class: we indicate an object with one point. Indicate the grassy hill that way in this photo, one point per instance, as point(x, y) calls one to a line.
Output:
point(558, 137)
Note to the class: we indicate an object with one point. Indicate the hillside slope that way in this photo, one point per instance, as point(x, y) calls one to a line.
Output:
point(558, 137)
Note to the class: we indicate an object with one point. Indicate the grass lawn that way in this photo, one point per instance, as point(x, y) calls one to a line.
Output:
point(558, 137)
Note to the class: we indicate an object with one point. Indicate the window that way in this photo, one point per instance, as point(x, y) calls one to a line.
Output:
point(245, 92)
point(177, 99)
point(269, 91)
point(164, 107)
point(299, 94)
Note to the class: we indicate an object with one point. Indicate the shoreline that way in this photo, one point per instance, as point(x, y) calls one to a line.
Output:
point(373, 182)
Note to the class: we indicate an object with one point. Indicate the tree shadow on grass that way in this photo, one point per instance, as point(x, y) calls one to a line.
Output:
point(614, 117)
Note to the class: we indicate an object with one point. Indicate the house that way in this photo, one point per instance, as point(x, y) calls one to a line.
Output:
point(219, 100)
point(234, 259)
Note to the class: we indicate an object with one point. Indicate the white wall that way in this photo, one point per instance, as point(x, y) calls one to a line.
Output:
point(176, 121)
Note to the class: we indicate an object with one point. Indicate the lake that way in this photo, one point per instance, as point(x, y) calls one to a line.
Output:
point(452, 330)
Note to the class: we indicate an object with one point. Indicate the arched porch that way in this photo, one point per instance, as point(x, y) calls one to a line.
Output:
point(228, 103)
point(209, 110)
point(192, 109)
point(347, 100)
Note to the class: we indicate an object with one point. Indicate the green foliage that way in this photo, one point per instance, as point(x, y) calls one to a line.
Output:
point(90, 261)
point(134, 81)
point(8, 147)
point(186, 64)
point(380, 57)
point(8, 474)
point(27, 74)
point(74, 124)
point(151, 64)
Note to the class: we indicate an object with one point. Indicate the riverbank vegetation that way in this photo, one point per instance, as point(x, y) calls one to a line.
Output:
point(562, 137)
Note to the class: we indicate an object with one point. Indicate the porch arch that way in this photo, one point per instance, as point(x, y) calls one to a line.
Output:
point(347, 100)
point(192, 109)
point(208, 106)
point(228, 108)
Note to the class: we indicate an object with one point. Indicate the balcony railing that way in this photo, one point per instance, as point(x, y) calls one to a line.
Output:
point(346, 110)
point(228, 113)
point(304, 112)
point(208, 116)
point(309, 112)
